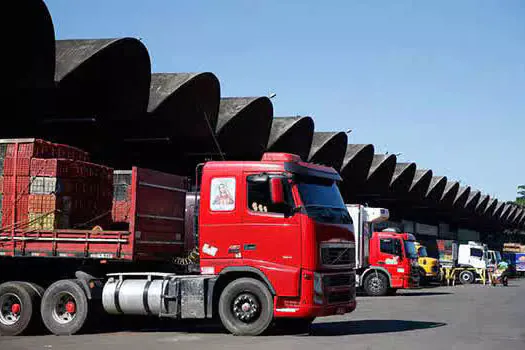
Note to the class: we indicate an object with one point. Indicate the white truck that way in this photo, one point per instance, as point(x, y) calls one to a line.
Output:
point(473, 257)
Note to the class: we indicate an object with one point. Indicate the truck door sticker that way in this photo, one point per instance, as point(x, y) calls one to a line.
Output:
point(392, 261)
point(210, 250)
point(222, 196)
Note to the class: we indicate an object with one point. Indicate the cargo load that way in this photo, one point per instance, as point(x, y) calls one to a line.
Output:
point(40, 192)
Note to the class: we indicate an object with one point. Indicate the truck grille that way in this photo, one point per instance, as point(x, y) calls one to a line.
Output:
point(337, 254)
point(340, 297)
point(339, 288)
point(339, 280)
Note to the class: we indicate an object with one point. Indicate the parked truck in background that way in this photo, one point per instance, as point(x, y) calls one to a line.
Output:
point(386, 261)
point(466, 262)
point(253, 242)
point(428, 266)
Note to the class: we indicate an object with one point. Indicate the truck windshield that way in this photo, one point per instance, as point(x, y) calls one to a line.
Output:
point(322, 200)
point(422, 251)
point(478, 253)
point(498, 257)
point(410, 249)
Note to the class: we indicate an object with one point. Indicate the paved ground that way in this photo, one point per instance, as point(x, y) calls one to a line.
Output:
point(472, 317)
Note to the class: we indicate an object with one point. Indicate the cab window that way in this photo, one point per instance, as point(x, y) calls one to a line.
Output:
point(390, 246)
point(260, 199)
point(387, 246)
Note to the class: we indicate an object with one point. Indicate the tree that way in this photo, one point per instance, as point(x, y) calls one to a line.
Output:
point(521, 195)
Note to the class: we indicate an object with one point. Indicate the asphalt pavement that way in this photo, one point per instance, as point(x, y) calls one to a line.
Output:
point(461, 317)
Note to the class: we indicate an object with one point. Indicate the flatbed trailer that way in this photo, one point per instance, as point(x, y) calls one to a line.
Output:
point(155, 232)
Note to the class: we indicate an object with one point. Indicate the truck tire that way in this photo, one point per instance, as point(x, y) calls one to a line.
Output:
point(64, 307)
point(466, 277)
point(246, 307)
point(19, 308)
point(376, 284)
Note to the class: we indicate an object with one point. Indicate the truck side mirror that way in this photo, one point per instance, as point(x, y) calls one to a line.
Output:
point(277, 190)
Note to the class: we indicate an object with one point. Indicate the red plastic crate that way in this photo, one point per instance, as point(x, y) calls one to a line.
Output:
point(22, 184)
point(22, 209)
point(54, 167)
point(22, 166)
point(69, 152)
point(29, 148)
point(47, 203)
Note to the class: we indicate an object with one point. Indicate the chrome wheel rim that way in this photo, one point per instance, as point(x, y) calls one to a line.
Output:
point(10, 309)
point(64, 310)
point(246, 308)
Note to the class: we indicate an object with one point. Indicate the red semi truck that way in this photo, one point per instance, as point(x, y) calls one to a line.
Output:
point(385, 261)
point(268, 240)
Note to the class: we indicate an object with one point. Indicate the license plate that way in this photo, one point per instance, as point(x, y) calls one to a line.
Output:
point(340, 310)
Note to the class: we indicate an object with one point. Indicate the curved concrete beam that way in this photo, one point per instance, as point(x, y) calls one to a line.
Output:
point(514, 219)
point(291, 135)
point(243, 126)
point(108, 79)
point(521, 218)
point(402, 178)
point(461, 197)
point(436, 188)
point(184, 107)
point(509, 213)
point(488, 211)
point(507, 208)
point(328, 148)
point(421, 183)
point(356, 163)
point(380, 173)
point(450, 193)
point(472, 200)
point(34, 51)
point(482, 204)
point(29, 55)
point(498, 210)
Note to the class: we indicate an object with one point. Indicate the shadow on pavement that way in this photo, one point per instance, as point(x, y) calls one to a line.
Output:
point(408, 294)
point(370, 327)
point(422, 294)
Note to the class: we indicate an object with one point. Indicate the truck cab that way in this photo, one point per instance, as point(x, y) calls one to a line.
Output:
point(396, 255)
point(281, 222)
point(473, 254)
point(385, 261)
point(428, 266)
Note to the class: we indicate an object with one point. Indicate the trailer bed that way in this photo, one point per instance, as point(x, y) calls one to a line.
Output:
point(155, 229)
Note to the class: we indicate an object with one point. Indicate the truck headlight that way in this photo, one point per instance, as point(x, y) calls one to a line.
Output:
point(318, 283)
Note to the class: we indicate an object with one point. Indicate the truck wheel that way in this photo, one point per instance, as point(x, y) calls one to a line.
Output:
point(19, 308)
point(246, 307)
point(376, 284)
point(64, 307)
point(466, 277)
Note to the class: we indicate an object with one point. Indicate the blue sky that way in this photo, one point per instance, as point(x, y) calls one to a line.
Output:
point(442, 82)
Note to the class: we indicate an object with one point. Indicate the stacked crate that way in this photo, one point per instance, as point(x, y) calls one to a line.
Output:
point(51, 186)
point(121, 196)
point(66, 193)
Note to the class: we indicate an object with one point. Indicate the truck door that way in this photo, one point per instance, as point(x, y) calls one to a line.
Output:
point(389, 257)
point(271, 232)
